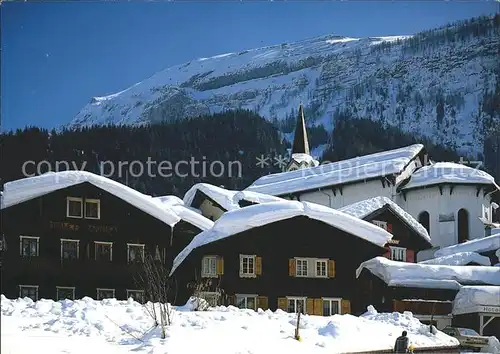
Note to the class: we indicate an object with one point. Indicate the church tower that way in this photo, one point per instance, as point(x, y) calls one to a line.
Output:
point(301, 156)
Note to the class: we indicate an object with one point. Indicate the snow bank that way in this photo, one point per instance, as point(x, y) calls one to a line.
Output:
point(448, 172)
point(470, 296)
point(112, 326)
point(420, 275)
point(365, 207)
point(243, 219)
point(359, 168)
point(221, 196)
point(459, 259)
point(479, 245)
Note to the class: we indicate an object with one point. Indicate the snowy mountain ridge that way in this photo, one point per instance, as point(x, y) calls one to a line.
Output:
point(433, 83)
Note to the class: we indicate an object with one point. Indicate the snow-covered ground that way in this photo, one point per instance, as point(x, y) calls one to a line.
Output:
point(89, 326)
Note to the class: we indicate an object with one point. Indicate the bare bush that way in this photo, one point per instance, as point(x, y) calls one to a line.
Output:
point(160, 290)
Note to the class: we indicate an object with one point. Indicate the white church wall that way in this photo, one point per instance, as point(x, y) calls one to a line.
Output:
point(351, 193)
point(443, 211)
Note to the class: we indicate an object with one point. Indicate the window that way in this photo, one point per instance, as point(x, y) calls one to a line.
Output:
point(74, 207)
point(70, 249)
point(424, 220)
point(209, 266)
point(105, 293)
point(322, 268)
point(301, 267)
point(463, 225)
point(135, 253)
point(247, 265)
point(331, 307)
point(296, 304)
point(158, 254)
point(137, 295)
point(103, 251)
point(65, 292)
point(30, 291)
point(382, 224)
point(92, 209)
point(29, 246)
point(398, 253)
point(246, 301)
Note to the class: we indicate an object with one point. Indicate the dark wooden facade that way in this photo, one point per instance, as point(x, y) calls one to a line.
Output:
point(275, 245)
point(390, 298)
point(121, 223)
point(473, 321)
point(404, 235)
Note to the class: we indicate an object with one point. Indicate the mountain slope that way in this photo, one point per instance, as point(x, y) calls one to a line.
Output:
point(434, 83)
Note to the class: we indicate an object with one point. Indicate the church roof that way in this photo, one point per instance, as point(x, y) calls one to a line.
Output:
point(361, 168)
point(448, 172)
point(300, 141)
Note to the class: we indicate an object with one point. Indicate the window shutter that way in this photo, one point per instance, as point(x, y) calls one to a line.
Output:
point(291, 267)
point(220, 265)
point(262, 302)
point(282, 303)
point(410, 256)
point(331, 268)
point(346, 306)
point(310, 306)
point(318, 307)
point(389, 228)
point(258, 265)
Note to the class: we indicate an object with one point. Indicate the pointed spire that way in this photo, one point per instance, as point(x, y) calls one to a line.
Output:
point(300, 142)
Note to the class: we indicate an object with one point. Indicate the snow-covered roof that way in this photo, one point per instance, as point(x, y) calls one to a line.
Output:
point(359, 168)
point(366, 207)
point(188, 214)
point(459, 259)
point(480, 245)
point(25, 189)
point(237, 221)
point(470, 296)
point(254, 197)
point(304, 158)
point(221, 196)
point(419, 275)
point(448, 172)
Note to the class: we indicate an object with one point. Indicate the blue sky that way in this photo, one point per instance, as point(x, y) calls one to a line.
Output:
point(57, 56)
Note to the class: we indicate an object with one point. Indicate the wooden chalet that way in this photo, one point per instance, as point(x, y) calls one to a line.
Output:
point(408, 236)
point(425, 290)
point(289, 255)
point(74, 234)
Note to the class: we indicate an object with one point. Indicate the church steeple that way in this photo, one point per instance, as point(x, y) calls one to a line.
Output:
point(300, 141)
point(301, 157)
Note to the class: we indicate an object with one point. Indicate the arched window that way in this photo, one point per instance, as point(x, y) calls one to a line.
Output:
point(463, 225)
point(425, 220)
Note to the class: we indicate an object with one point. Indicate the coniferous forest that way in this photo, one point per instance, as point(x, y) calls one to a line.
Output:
point(235, 138)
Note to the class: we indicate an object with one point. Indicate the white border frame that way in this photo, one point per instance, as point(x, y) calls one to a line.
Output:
point(37, 287)
point(338, 299)
point(208, 275)
point(142, 245)
point(74, 199)
point(103, 243)
point(77, 247)
point(322, 260)
point(104, 289)
point(31, 238)
point(66, 288)
point(248, 275)
point(297, 267)
point(92, 201)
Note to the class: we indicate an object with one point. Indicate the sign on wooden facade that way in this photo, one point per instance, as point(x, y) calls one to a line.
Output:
point(61, 225)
